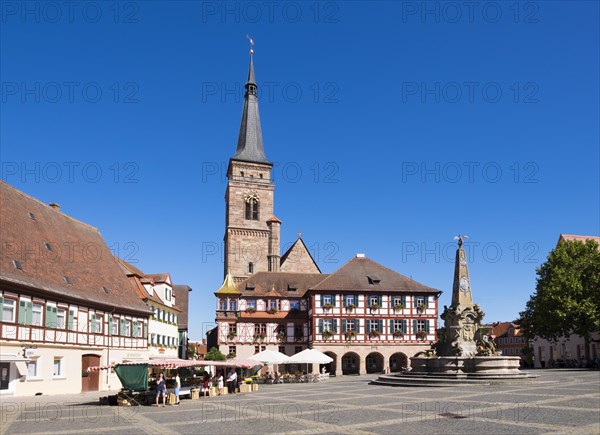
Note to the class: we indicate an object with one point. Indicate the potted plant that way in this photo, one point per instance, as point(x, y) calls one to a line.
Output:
point(350, 334)
point(421, 307)
point(251, 310)
point(231, 355)
point(232, 335)
point(260, 337)
point(375, 306)
point(327, 306)
point(421, 335)
point(281, 336)
point(374, 333)
point(327, 334)
point(272, 310)
point(398, 307)
point(299, 336)
point(350, 307)
point(398, 333)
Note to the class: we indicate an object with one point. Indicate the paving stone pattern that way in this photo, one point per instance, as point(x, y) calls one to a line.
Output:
point(559, 401)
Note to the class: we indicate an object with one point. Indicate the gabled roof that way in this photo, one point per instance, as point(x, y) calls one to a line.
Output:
point(27, 225)
point(298, 259)
point(354, 275)
point(286, 284)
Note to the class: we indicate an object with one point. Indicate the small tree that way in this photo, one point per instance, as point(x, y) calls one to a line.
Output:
point(567, 294)
point(214, 354)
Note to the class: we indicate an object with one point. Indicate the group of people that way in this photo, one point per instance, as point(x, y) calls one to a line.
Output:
point(207, 383)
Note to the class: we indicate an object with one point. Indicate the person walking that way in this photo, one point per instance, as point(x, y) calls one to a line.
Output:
point(177, 388)
point(231, 381)
point(161, 388)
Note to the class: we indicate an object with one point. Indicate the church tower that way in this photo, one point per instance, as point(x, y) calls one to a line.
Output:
point(252, 232)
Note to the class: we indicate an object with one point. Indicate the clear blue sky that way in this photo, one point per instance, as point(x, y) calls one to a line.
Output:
point(393, 127)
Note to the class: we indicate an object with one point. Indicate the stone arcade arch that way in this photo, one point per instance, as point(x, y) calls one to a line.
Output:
point(374, 362)
point(398, 361)
point(330, 367)
point(350, 364)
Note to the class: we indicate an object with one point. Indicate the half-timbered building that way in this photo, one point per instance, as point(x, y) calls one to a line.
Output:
point(65, 303)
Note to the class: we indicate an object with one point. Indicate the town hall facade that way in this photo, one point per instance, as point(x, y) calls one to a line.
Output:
point(367, 317)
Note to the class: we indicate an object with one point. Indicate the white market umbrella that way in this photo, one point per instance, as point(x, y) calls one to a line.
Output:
point(270, 357)
point(309, 356)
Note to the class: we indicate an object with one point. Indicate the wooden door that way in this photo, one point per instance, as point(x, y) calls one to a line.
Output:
point(90, 381)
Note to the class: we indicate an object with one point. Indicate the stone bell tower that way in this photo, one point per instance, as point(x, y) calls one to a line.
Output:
point(252, 232)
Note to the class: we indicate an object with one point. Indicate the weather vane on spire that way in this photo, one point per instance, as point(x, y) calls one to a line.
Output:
point(251, 44)
point(460, 239)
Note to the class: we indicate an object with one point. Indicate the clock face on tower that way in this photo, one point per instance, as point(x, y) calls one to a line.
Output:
point(464, 284)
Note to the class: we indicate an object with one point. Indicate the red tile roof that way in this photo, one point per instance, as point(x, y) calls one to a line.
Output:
point(78, 252)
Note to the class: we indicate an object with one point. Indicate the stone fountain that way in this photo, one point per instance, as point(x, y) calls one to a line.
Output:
point(464, 351)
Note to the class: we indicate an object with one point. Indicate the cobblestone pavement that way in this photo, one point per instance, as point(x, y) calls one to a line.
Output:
point(559, 401)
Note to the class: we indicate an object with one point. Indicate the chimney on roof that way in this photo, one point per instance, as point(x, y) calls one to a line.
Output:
point(54, 205)
point(360, 255)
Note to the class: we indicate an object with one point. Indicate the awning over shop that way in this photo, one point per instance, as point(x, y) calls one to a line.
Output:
point(20, 362)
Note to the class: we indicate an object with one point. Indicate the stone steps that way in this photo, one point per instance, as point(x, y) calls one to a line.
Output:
point(449, 380)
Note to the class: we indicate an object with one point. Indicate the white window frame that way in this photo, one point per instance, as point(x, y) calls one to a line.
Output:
point(61, 371)
point(37, 309)
point(350, 325)
point(327, 325)
point(327, 299)
point(422, 326)
point(12, 309)
point(36, 369)
point(61, 313)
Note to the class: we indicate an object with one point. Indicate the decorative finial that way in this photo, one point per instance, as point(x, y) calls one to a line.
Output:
point(460, 239)
point(251, 44)
point(299, 235)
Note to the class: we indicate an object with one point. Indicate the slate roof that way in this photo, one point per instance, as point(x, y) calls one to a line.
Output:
point(250, 141)
point(263, 283)
point(78, 252)
point(358, 273)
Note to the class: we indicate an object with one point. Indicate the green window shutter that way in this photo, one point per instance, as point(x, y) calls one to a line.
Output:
point(333, 300)
point(344, 300)
point(391, 327)
point(322, 300)
point(320, 326)
point(380, 325)
point(344, 324)
point(1, 308)
point(71, 321)
point(368, 327)
point(22, 312)
point(93, 323)
point(50, 321)
point(380, 301)
point(414, 330)
point(405, 326)
point(427, 326)
point(122, 326)
point(357, 327)
point(415, 302)
point(403, 299)
point(426, 301)
point(334, 324)
point(145, 331)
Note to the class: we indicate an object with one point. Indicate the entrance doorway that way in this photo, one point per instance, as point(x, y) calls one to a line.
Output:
point(4, 375)
point(90, 381)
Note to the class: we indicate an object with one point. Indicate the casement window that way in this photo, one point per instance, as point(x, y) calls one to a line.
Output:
point(398, 300)
point(232, 350)
point(33, 368)
point(61, 318)
point(58, 367)
point(7, 309)
point(260, 328)
point(232, 304)
point(274, 304)
point(349, 300)
point(232, 328)
point(421, 325)
point(124, 328)
point(294, 305)
point(51, 315)
point(421, 300)
point(137, 329)
point(327, 300)
point(113, 325)
point(373, 325)
point(351, 325)
point(251, 303)
point(96, 323)
point(298, 330)
point(327, 325)
point(256, 349)
point(375, 300)
point(36, 315)
point(398, 325)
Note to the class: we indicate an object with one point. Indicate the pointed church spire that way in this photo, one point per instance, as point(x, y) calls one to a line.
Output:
point(250, 142)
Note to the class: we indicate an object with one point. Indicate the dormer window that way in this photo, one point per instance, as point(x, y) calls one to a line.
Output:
point(32, 217)
point(48, 247)
point(68, 280)
point(373, 280)
point(250, 287)
point(291, 288)
point(18, 264)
